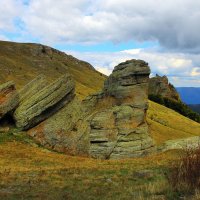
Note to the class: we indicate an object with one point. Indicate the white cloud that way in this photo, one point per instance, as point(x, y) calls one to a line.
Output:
point(173, 23)
point(180, 68)
point(9, 10)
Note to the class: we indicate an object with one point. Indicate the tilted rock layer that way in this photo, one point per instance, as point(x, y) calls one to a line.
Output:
point(108, 125)
point(9, 98)
point(159, 85)
point(38, 102)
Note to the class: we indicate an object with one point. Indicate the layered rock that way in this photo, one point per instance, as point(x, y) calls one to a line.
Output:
point(118, 127)
point(32, 88)
point(108, 125)
point(9, 98)
point(65, 131)
point(38, 102)
point(159, 85)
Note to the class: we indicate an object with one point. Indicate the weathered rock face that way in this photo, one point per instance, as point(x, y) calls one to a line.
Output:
point(108, 125)
point(38, 102)
point(118, 126)
point(32, 88)
point(9, 98)
point(159, 85)
point(65, 131)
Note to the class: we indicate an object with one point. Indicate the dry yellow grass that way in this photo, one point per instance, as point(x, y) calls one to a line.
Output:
point(28, 172)
point(167, 124)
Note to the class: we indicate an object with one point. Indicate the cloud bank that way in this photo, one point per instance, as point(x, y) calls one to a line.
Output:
point(180, 68)
point(173, 25)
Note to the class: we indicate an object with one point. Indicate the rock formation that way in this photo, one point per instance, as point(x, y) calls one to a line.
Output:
point(159, 85)
point(108, 125)
point(38, 102)
point(118, 127)
point(9, 98)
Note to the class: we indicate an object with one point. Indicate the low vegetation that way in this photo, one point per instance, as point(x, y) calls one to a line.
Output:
point(178, 106)
point(31, 172)
point(184, 174)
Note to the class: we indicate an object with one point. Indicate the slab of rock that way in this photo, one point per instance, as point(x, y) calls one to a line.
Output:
point(32, 88)
point(65, 131)
point(9, 98)
point(118, 127)
point(44, 103)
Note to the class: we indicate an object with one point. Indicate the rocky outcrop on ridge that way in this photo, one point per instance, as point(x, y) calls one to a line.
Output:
point(9, 98)
point(108, 125)
point(159, 85)
point(118, 127)
point(37, 102)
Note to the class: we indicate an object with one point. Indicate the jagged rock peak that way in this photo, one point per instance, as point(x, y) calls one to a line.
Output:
point(159, 85)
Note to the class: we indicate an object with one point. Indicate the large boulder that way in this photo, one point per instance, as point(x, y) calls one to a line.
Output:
point(108, 125)
point(9, 98)
point(159, 85)
point(117, 121)
point(39, 102)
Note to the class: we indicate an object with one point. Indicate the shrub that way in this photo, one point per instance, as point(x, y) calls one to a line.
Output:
point(184, 175)
point(178, 106)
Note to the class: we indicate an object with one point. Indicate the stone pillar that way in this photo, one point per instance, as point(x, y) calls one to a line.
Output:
point(119, 128)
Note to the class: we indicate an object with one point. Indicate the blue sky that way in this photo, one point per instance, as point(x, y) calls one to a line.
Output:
point(106, 32)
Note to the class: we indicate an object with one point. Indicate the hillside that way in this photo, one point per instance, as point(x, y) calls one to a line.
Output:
point(23, 62)
point(195, 107)
point(28, 171)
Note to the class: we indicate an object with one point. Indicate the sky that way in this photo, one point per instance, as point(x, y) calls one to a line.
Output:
point(166, 34)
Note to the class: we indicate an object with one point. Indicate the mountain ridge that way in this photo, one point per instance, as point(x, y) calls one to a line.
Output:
point(88, 81)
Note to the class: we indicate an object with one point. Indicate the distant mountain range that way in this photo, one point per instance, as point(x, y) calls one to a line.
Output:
point(189, 95)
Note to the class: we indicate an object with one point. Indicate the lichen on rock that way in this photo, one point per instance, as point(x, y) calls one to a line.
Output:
point(45, 102)
point(159, 85)
point(118, 127)
point(108, 125)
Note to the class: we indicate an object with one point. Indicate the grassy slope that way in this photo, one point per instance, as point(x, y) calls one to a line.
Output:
point(23, 62)
point(30, 172)
point(167, 124)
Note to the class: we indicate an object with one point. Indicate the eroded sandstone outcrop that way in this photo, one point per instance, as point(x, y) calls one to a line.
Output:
point(65, 131)
point(108, 125)
point(32, 88)
point(41, 102)
point(118, 127)
point(9, 98)
point(159, 85)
